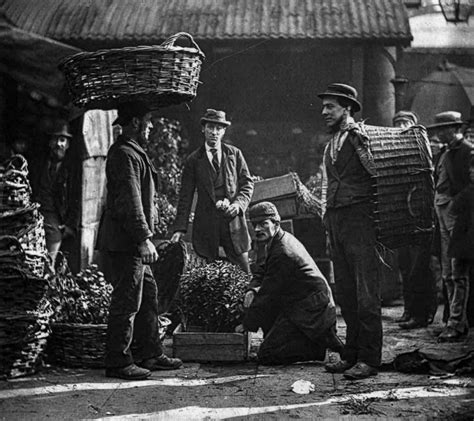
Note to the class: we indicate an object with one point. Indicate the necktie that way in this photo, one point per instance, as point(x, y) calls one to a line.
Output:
point(215, 159)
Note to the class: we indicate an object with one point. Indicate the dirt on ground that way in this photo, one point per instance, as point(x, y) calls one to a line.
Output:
point(251, 391)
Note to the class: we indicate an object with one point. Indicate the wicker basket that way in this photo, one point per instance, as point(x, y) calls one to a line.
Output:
point(404, 185)
point(77, 345)
point(160, 75)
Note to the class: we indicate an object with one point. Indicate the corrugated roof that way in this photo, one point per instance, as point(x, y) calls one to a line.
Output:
point(146, 21)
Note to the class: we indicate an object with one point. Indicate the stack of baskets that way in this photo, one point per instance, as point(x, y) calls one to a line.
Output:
point(160, 75)
point(24, 311)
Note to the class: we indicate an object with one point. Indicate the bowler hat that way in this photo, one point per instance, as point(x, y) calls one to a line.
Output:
point(128, 110)
point(447, 118)
point(60, 128)
point(215, 116)
point(341, 90)
point(405, 116)
point(262, 211)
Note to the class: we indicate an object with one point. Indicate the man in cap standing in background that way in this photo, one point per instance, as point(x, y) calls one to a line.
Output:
point(219, 174)
point(288, 298)
point(55, 184)
point(350, 226)
point(419, 292)
point(124, 239)
point(451, 178)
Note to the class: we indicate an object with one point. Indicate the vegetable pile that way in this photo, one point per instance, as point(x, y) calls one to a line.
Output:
point(83, 298)
point(211, 296)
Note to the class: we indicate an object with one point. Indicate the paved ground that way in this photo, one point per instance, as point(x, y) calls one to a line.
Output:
point(250, 391)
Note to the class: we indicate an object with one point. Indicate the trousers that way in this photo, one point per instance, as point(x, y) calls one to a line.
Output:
point(133, 314)
point(357, 267)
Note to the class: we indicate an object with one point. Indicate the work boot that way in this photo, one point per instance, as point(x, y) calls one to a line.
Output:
point(452, 335)
point(413, 324)
point(338, 367)
point(360, 371)
point(161, 363)
point(130, 372)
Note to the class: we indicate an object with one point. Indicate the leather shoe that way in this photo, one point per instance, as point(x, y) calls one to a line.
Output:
point(452, 335)
point(130, 372)
point(360, 371)
point(338, 367)
point(413, 324)
point(161, 363)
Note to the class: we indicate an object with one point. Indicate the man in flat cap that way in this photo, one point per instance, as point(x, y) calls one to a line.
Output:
point(124, 239)
point(419, 294)
point(349, 223)
point(288, 297)
point(55, 184)
point(219, 174)
point(451, 178)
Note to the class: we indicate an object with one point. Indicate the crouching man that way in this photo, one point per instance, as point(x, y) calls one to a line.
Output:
point(290, 298)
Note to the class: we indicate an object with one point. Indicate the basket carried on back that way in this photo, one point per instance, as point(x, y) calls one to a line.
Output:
point(160, 75)
point(404, 185)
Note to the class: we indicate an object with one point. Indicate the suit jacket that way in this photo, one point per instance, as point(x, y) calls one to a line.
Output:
point(197, 176)
point(65, 190)
point(457, 167)
point(291, 284)
point(461, 245)
point(130, 215)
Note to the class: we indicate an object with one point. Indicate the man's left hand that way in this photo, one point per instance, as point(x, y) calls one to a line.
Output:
point(232, 210)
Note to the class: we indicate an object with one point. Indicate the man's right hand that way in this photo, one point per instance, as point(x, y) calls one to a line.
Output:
point(148, 252)
point(177, 236)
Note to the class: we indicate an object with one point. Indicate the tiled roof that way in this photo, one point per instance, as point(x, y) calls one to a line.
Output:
point(146, 21)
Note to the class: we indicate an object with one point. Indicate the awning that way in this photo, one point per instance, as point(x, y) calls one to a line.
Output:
point(32, 60)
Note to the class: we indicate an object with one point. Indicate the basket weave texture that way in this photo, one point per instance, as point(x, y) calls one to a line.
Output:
point(77, 345)
point(159, 75)
point(404, 185)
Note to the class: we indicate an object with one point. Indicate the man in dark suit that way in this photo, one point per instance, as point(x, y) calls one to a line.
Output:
point(349, 221)
point(55, 184)
point(288, 297)
point(124, 238)
point(451, 178)
point(219, 174)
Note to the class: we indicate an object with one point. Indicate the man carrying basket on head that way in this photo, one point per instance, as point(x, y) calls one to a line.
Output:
point(124, 237)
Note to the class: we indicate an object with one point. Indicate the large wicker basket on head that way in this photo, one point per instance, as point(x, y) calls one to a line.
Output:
point(159, 75)
point(404, 186)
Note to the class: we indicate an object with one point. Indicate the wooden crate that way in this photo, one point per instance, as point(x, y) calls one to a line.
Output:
point(281, 191)
point(195, 345)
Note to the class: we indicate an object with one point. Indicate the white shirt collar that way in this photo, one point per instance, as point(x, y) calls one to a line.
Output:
point(209, 153)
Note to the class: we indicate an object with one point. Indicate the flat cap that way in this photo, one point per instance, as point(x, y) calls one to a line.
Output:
point(405, 116)
point(262, 211)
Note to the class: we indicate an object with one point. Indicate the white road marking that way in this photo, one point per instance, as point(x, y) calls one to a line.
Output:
point(77, 387)
point(201, 413)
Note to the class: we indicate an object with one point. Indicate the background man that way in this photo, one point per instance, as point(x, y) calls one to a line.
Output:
point(350, 226)
point(55, 184)
point(289, 298)
point(124, 237)
point(224, 187)
point(414, 262)
point(451, 177)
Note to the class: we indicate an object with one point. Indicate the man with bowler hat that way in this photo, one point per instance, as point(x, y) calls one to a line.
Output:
point(55, 185)
point(125, 241)
point(348, 193)
point(451, 178)
point(288, 297)
point(219, 174)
